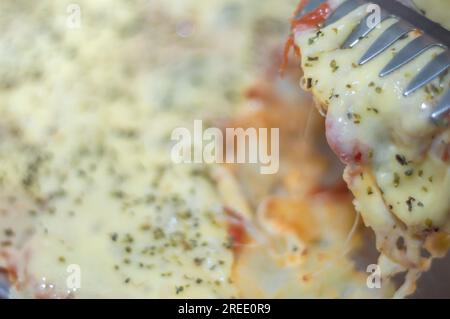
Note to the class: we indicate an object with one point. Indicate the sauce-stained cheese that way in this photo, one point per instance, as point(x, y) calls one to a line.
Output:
point(397, 161)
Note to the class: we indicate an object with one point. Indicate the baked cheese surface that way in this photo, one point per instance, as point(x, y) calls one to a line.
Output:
point(86, 118)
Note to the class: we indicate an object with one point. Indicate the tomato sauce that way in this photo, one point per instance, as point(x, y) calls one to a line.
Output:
point(446, 154)
point(236, 230)
point(310, 20)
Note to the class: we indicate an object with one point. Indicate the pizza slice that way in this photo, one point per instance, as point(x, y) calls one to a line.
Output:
point(397, 161)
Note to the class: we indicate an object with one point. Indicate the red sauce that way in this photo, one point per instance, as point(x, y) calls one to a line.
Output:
point(290, 43)
point(236, 230)
point(254, 92)
point(314, 18)
point(358, 157)
point(446, 154)
point(310, 20)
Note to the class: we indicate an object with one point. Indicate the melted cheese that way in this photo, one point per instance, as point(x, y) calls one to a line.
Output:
point(436, 10)
point(396, 170)
point(85, 172)
point(85, 126)
point(305, 233)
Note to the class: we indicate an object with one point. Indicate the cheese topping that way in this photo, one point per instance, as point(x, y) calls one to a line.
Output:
point(86, 177)
point(397, 159)
point(436, 10)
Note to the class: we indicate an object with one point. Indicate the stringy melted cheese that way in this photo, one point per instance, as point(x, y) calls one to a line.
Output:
point(398, 166)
